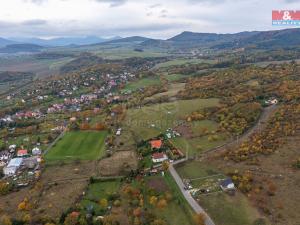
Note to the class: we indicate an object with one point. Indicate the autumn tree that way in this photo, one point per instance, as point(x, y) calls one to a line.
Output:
point(199, 219)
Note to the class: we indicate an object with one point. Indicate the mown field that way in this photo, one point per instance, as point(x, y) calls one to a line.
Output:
point(82, 145)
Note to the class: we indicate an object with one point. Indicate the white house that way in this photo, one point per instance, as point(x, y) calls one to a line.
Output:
point(159, 157)
point(227, 185)
point(36, 151)
point(12, 167)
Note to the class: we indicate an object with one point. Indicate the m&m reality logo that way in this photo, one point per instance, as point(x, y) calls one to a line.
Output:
point(286, 17)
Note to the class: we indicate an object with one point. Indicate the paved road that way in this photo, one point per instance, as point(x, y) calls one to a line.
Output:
point(195, 206)
point(261, 123)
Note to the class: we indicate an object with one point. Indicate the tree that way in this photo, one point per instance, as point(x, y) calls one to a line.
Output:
point(162, 203)
point(103, 203)
point(199, 219)
point(153, 200)
point(165, 165)
point(5, 220)
point(71, 219)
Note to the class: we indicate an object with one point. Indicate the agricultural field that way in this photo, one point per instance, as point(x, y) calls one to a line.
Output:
point(178, 62)
point(123, 53)
point(85, 145)
point(142, 83)
point(173, 89)
point(149, 121)
point(41, 67)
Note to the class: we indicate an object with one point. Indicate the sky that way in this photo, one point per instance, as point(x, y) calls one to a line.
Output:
point(151, 18)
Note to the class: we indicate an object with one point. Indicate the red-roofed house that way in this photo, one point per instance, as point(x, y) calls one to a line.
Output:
point(156, 144)
point(22, 152)
point(159, 157)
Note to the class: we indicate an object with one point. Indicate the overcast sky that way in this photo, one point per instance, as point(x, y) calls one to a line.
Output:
point(152, 18)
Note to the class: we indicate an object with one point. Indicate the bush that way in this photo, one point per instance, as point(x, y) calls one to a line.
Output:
point(260, 221)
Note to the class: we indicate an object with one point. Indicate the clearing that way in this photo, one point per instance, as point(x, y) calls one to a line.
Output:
point(149, 121)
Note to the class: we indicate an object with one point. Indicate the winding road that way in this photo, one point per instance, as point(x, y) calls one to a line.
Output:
point(260, 125)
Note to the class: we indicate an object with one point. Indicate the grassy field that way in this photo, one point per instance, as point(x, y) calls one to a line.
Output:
point(173, 89)
point(145, 82)
point(97, 191)
point(235, 210)
point(86, 145)
point(178, 62)
point(199, 144)
point(195, 169)
point(175, 77)
point(178, 211)
point(149, 121)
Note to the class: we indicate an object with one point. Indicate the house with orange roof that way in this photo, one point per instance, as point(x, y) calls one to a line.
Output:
point(156, 144)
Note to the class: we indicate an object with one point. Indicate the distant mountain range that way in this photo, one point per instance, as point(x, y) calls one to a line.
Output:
point(56, 42)
point(261, 39)
point(16, 48)
point(186, 40)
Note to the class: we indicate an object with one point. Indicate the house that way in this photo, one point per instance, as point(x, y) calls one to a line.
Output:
point(12, 167)
point(159, 157)
point(22, 152)
point(156, 144)
point(36, 151)
point(227, 185)
point(118, 133)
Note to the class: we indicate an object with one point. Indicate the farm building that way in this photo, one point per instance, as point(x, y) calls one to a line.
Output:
point(227, 185)
point(156, 144)
point(12, 167)
point(159, 157)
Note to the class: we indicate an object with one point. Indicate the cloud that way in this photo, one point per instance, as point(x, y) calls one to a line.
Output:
point(155, 6)
point(34, 22)
point(113, 3)
point(38, 2)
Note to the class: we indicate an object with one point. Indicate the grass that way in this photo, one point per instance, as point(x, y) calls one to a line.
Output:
point(194, 169)
point(97, 191)
point(199, 126)
point(82, 145)
point(145, 82)
point(173, 89)
point(178, 211)
point(178, 62)
point(175, 77)
point(235, 210)
point(149, 121)
point(199, 144)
